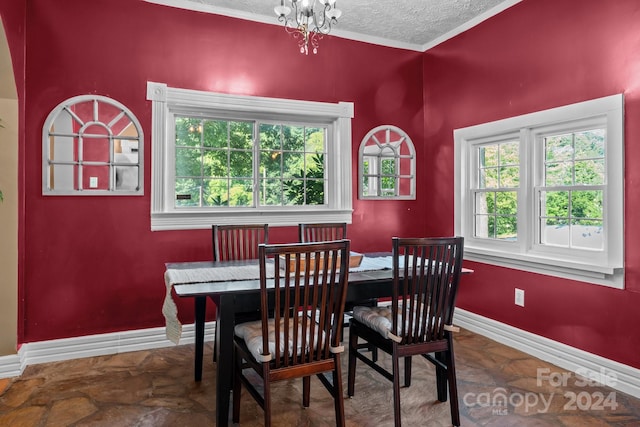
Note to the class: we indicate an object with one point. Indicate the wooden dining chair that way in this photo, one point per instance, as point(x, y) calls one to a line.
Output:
point(237, 242)
point(333, 231)
point(322, 232)
point(301, 337)
point(426, 272)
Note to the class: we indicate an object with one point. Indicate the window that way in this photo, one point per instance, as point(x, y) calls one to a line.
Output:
point(229, 159)
point(387, 162)
point(92, 145)
point(543, 192)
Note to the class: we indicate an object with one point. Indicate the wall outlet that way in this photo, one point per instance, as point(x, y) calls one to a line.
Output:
point(93, 182)
point(520, 297)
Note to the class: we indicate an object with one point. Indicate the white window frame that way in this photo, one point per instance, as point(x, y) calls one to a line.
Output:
point(603, 268)
point(168, 102)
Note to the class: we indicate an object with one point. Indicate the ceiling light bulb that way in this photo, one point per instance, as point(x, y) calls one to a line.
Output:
point(282, 10)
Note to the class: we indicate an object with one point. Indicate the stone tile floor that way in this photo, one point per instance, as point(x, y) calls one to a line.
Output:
point(498, 386)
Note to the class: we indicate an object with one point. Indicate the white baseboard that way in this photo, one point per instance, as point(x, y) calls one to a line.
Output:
point(94, 345)
point(622, 377)
point(627, 378)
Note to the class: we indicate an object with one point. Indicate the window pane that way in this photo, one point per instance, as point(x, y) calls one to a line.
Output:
point(270, 137)
point(215, 192)
point(506, 228)
point(293, 138)
point(221, 153)
point(489, 156)
point(314, 142)
point(488, 178)
point(271, 192)
point(294, 165)
point(270, 163)
point(215, 163)
point(485, 203)
point(510, 176)
point(187, 192)
point(315, 192)
point(590, 172)
point(559, 147)
point(590, 144)
point(587, 234)
point(241, 164)
point(293, 192)
point(510, 153)
point(241, 135)
point(241, 192)
point(555, 204)
point(554, 231)
point(575, 158)
point(215, 134)
point(557, 174)
point(301, 172)
point(507, 203)
point(586, 204)
point(485, 226)
point(188, 162)
point(496, 215)
point(188, 131)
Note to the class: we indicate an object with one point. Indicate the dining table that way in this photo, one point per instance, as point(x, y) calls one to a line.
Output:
point(234, 287)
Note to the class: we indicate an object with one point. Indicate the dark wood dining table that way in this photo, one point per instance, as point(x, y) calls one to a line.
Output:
point(241, 296)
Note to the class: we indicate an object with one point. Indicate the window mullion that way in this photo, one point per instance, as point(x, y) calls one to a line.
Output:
point(256, 164)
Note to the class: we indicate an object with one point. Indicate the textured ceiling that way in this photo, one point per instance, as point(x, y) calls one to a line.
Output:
point(412, 24)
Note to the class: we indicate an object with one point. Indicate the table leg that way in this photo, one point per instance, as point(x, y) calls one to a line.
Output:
point(200, 311)
point(224, 365)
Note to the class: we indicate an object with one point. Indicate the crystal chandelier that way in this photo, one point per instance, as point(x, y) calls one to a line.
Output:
point(311, 19)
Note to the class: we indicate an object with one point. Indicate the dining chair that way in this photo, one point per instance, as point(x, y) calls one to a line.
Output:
point(298, 335)
point(333, 231)
point(237, 242)
point(322, 232)
point(426, 272)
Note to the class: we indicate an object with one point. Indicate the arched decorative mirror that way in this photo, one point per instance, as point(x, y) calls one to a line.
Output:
point(92, 145)
point(387, 165)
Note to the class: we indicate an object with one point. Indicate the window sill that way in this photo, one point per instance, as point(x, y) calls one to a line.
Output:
point(611, 276)
point(201, 220)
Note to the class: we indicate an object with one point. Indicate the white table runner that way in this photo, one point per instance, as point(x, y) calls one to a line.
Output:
point(201, 275)
point(177, 276)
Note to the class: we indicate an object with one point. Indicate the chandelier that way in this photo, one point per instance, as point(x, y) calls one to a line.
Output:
point(310, 21)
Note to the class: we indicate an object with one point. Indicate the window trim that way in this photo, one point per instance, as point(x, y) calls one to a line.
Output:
point(522, 254)
point(166, 101)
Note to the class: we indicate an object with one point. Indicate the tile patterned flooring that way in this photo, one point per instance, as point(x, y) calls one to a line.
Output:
point(156, 388)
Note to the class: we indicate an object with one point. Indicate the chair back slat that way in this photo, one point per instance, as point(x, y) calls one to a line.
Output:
point(305, 299)
point(238, 242)
point(322, 232)
point(426, 273)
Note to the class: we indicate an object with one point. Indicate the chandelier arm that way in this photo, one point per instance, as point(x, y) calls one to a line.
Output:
point(305, 25)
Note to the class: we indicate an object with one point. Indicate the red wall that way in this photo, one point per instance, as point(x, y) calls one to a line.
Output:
point(536, 55)
point(91, 264)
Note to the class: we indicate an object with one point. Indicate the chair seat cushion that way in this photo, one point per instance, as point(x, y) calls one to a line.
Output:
point(380, 320)
point(251, 333)
point(377, 318)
